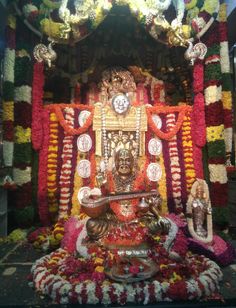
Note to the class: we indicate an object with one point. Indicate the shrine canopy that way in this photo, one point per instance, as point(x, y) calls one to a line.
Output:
point(173, 22)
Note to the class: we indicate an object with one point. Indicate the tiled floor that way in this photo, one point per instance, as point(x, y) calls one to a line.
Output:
point(17, 259)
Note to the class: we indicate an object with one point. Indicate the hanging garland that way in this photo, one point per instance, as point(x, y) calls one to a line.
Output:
point(165, 110)
point(24, 209)
point(68, 128)
point(8, 92)
point(226, 82)
point(37, 104)
point(215, 118)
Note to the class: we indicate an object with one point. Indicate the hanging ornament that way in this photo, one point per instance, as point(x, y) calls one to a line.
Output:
point(84, 168)
point(194, 52)
point(84, 143)
point(155, 146)
point(43, 53)
point(83, 116)
point(154, 172)
point(84, 192)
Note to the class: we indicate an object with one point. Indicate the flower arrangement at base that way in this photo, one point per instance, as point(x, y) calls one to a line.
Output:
point(68, 278)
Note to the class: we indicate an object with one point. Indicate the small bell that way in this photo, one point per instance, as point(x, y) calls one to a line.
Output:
point(143, 205)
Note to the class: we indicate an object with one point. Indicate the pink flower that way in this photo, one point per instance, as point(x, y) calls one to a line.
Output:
point(134, 269)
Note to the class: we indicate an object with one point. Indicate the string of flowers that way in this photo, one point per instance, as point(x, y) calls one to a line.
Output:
point(66, 169)
point(198, 117)
point(52, 165)
point(42, 179)
point(57, 108)
point(165, 110)
point(37, 104)
point(187, 144)
point(78, 183)
point(166, 156)
point(8, 91)
point(174, 164)
point(162, 185)
point(22, 160)
point(226, 81)
point(214, 118)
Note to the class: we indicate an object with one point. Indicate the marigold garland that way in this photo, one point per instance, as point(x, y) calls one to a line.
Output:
point(188, 152)
point(52, 166)
point(57, 108)
point(37, 104)
point(167, 109)
point(42, 178)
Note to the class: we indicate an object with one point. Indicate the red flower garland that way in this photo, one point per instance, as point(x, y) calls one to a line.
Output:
point(57, 108)
point(37, 105)
point(167, 109)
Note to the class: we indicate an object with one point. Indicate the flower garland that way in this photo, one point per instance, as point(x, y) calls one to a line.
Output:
point(57, 108)
point(52, 164)
point(162, 185)
point(77, 185)
point(174, 164)
point(188, 154)
point(22, 161)
point(226, 81)
point(166, 109)
point(198, 117)
point(42, 179)
point(66, 169)
point(214, 118)
point(37, 104)
point(8, 92)
point(67, 279)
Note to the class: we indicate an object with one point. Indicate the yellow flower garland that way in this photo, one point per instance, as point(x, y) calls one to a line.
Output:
point(188, 152)
point(22, 135)
point(162, 186)
point(52, 165)
point(75, 210)
point(8, 111)
point(215, 133)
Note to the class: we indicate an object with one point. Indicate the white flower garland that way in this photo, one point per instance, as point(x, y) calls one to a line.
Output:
point(54, 285)
point(8, 148)
point(218, 173)
point(23, 94)
point(9, 64)
point(22, 176)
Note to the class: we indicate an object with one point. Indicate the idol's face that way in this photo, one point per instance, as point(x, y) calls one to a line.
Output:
point(124, 162)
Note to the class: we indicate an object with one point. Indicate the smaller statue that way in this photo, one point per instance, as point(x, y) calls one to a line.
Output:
point(199, 212)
